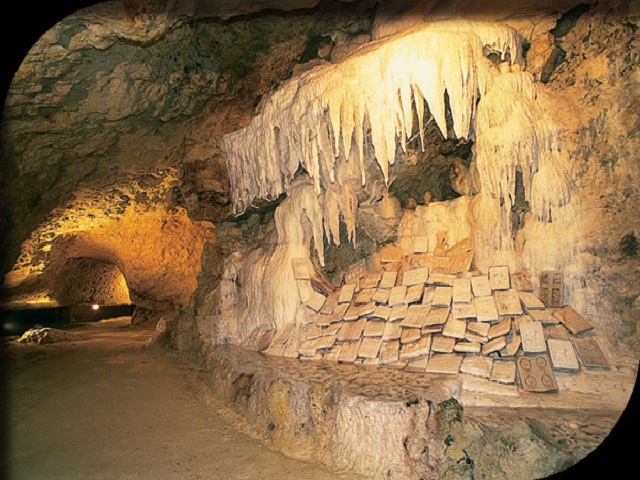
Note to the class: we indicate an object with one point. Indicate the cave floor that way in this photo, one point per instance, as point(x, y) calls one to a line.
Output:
point(103, 406)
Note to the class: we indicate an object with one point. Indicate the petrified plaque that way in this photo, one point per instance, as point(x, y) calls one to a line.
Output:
point(370, 280)
point(454, 328)
point(398, 312)
point(421, 244)
point(390, 254)
point(349, 351)
point(442, 344)
point(370, 347)
point(410, 335)
point(339, 312)
point(551, 288)
point(494, 345)
point(461, 262)
point(352, 313)
point(326, 342)
point(481, 286)
point(513, 345)
point(416, 349)
point(574, 322)
point(381, 295)
point(462, 246)
point(313, 331)
point(397, 295)
point(381, 312)
point(508, 302)
point(427, 295)
point(464, 310)
point(437, 316)
point(330, 303)
point(323, 320)
point(304, 290)
point(346, 293)
point(500, 329)
point(301, 269)
point(392, 331)
point(482, 385)
point(474, 337)
point(371, 362)
point(441, 264)
point(521, 281)
point(536, 374)
point(443, 279)
point(373, 328)
point(417, 276)
point(590, 352)
point(520, 319)
point(332, 329)
point(445, 363)
point(414, 294)
point(442, 297)
point(388, 280)
point(389, 352)
point(504, 371)
point(467, 347)
point(499, 278)
point(477, 366)
point(367, 309)
point(417, 365)
point(308, 348)
point(532, 335)
point(333, 354)
point(461, 290)
point(486, 310)
point(416, 315)
point(479, 328)
point(530, 301)
point(558, 332)
point(544, 316)
point(364, 296)
point(316, 301)
point(563, 356)
point(351, 330)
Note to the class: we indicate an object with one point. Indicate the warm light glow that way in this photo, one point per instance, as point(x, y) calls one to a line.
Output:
point(95, 306)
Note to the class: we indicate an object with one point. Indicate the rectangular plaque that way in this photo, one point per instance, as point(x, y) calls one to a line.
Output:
point(504, 371)
point(364, 296)
point(333, 354)
point(367, 309)
point(370, 280)
point(349, 351)
point(508, 302)
point(461, 290)
point(392, 331)
point(479, 328)
point(346, 293)
point(464, 310)
point(442, 344)
point(574, 322)
point(443, 279)
point(521, 281)
point(381, 295)
point(536, 374)
point(477, 366)
point(414, 294)
point(551, 288)
point(417, 365)
point(454, 328)
point(398, 312)
point(563, 356)
point(332, 329)
point(410, 335)
point(351, 330)
point(499, 278)
point(481, 286)
point(416, 316)
point(427, 295)
point(397, 295)
point(352, 313)
point(530, 301)
point(316, 301)
point(532, 335)
point(486, 310)
point(326, 342)
point(445, 363)
point(370, 347)
point(545, 316)
point(373, 328)
point(590, 352)
point(437, 316)
point(442, 297)
point(339, 312)
point(388, 280)
point(330, 303)
point(417, 276)
point(389, 352)
point(416, 349)
point(381, 312)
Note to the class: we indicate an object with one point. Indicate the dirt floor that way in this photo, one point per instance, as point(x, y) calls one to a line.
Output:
point(102, 406)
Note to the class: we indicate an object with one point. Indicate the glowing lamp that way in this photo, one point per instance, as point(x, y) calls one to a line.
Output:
point(95, 306)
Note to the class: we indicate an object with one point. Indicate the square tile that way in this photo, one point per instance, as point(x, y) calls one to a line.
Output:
point(339, 312)
point(352, 313)
point(388, 280)
point(416, 349)
point(389, 352)
point(437, 316)
point(504, 371)
point(417, 365)
point(461, 290)
point(330, 303)
point(351, 331)
point(414, 294)
point(364, 296)
point(346, 293)
point(416, 316)
point(367, 309)
point(486, 310)
point(398, 313)
point(410, 335)
point(454, 328)
point(381, 295)
point(370, 347)
point(316, 301)
point(477, 366)
point(349, 351)
point(427, 295)
point(445, 363)
point(590, 352)
point(442, 344)
point(370, 280)
point(499, 278)
point(397, 295)
point(416, 276)
point(373, 328)
point(442, 297)
point(563, 356)
point(532, 335)
point(392, 331)
point(481, 286)
point(508, 302)
point(521, 281)
point(332, 329)
point(479, 328)
point(536, 374)
point(464, 310)
point(574, 322)
point(381, 312)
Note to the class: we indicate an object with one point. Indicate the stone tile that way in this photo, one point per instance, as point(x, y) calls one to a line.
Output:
point(304, 290)
point(574, 322)
point(364, 296)
point(367, 309)
point(398, 312)
point(326, 342)
point(414, 294)
point(330, 303)
point(390, 254)
point(416, 349)
point(520, 319)
point(442, 297)
point(301, 269)
point(590, 352)
point(544, 316)
point(442, 279)
point(381, 312)
point(416, 276)
point(333, 354)
point(479, 328)
point(421, 244)
point(349, 351)
point(410, 335)
point(530, 301)
point(536, 374)
point(339, 312)
point(351, 330)
point(454, 328)
point(437, 316)
point(532, 336)
point(427, 295)
point(486, 310)
point(392, 331)
point(374, 328)
point(389, 352)
point(441, 264)
point(370, 347)
point(356, 271)
point(558, 332)
point(521, 281)
point(337, 279)
point(462, 246)
point(508, 302)
point(429, 329)
point(352, 313)
point(467, 347)
point(417, 365)
point(551, 288)
point(371, 362)
point(461, 262)
point(481, 385)
point(464, 310)
point(370, 280)
point(499, 278)
point(445, 363)
point(397, 295)
point(416, 316)
point(381, 295)
point(500, 329)
point(478, 366)
point(308, 348)
point(442, 344)
point(563, 356)
point(504, 371)
point(481, 286)
point(474, 337)
point(388, 280)
point(313, 331)
point(494, 345)
point(316, 301)
point(461, 290)
point(346, 293)
point(513, 345)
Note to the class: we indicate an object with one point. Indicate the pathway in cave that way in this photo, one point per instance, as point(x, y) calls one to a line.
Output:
point(102, 406)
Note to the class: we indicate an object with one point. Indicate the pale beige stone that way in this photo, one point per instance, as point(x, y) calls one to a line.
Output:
point(397, 295)
point(467, 347)
point(417, 365)
point(574, 322)
point(508, 302)
point(481, 385)
point(478, 366)
point(308, 348)
point(339, 312)
point(352, 313)
point(474, 337)
point(388, 280)
point(454, 328)
point(392, 331)
point(304, 290)
point(504, 371)
point(326, 342)
point(444, 363)
point(421, 244)
point(301, 269)
point(461, 290)
point(513, 345)
point(390, 254)
point(500, 329)
point(346, 293)
point(499, 278)
point(349, 351)
point(544, 316)
point(590, 352)
point(332, 328)
point(563, 356)
point(389, 352)
point(442, 344)
point(464, 310)
point(381, 295)
point(416, 276)
point(494, 345)
point(370, 280)
point(313, 331)
point(371, 362)
point(416, 349)
point(530, 301)
point(351, 330)
point(398, 312)
point(381, 312)
point(416, 316)
point(367, 309)
point(427, 295)
point(437, 316)
point(479, 328)
point(519, 319)
point(370, 347)
point(333, 354)
point(374, 328)
point(330, 303)
point(442, 279)
point(426, 330)
point(486, 310)
point(316, 301)
point(410, 335)
point(414, 294)
point(364, 296)
point(442, 297)
point(532, 336)
point(481, 287)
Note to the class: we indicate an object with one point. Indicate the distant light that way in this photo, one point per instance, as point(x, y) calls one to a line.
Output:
point(95, 306)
